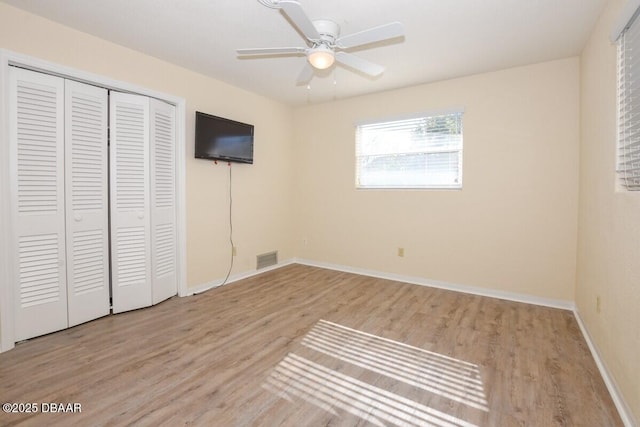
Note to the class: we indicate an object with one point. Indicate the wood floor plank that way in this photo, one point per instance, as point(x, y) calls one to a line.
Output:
point(308, 346)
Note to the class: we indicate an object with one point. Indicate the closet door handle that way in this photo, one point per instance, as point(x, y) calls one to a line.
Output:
point(140, 214)
point(77, 217)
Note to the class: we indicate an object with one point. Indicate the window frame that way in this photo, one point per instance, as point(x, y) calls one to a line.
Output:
point(627, 158)
point(427, 185)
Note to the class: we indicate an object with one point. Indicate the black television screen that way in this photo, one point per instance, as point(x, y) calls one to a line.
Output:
point(223, 139)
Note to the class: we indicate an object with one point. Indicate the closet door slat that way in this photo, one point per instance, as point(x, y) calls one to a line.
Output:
point(87, 208)
point(36, 145)
point(163, 197)
point(130, 214)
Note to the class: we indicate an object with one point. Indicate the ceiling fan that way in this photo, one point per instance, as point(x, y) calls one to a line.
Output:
point(324, 44)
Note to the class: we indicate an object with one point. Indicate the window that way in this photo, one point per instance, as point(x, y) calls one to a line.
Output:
point(628, 160)
point(418, 152)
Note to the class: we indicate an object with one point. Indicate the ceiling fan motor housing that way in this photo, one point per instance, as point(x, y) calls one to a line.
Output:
point(328, 30)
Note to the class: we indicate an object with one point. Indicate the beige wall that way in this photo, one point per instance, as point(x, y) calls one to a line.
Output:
point(261, 192)
point(512, 227)
point(609, 239)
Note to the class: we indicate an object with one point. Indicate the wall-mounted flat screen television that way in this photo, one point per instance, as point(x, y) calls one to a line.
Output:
point(218, 138)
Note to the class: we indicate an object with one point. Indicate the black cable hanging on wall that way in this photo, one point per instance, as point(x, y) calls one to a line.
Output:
point(230, 226)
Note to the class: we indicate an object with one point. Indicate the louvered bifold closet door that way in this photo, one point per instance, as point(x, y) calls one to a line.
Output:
point(86, 201)
point(130, 220)
point(36, 145)
point(163, 206)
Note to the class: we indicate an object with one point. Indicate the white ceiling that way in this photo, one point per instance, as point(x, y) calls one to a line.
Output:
point(444, 38)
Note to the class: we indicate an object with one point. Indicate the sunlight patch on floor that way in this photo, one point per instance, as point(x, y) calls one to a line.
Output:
point(451, 378)
point(444, 376)
point(329, 389)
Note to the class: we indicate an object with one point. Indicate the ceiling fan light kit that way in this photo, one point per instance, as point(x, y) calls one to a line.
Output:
point(324, 46)
point(321, 57)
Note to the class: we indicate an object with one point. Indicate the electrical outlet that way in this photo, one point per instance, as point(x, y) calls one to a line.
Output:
point(234, 251)
point(400, 252)
point(598, 306)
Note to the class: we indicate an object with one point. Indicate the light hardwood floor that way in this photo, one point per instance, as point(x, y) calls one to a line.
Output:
point(304, 346)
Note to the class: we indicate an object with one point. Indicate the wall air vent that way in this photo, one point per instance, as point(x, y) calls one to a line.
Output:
point(266, 260)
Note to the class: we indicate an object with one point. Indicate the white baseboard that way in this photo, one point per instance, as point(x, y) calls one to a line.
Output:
point(234, 278)
point(623, 409)
point(510, 296)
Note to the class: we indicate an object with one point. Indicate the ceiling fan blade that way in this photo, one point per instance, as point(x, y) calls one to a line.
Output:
point(372, 35)
point(296, 14)
point(359, 64)
point(272, 51)
point(305, 75)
